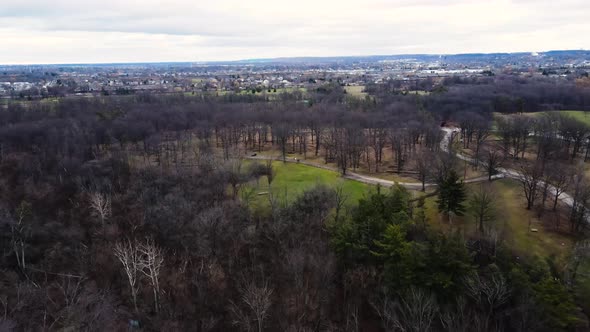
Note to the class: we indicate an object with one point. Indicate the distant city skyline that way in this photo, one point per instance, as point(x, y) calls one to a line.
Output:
point(110, 31)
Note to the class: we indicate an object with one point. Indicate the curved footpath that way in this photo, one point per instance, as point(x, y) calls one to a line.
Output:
point(502, 172)
point(444, 145)
point(374, 180)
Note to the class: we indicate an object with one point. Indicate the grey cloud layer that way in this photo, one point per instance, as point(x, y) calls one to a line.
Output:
point(231, 29)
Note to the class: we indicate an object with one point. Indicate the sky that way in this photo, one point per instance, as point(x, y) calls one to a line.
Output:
point(107, 31)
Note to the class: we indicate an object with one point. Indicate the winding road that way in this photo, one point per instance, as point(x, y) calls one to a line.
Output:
point(444, 145)
point(502, 172)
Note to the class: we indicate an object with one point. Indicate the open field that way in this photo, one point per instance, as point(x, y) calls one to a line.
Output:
point(545, 243)
point(385, 170)
point(512, 224)
point(24, 101)
point(246, 92)
point(418, 92)
point(272, 91)
point(578, 115)
point(356, 91)
point(291, 180)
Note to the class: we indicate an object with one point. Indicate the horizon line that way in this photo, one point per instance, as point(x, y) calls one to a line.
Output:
point(270, 59)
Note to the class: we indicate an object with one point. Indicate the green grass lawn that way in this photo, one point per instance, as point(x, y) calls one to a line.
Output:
point(291, 180)
point(512, 223)
point(356, 91)
point(544, 243)
point(272, 91)
point(319, 160)
point(264, 92)
point(578, 115)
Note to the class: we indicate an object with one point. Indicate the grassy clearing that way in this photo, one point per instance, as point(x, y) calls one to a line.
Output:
point(391, 176)
point(419, 92)
point(544, 243)
point(512, 223)
point(265, 92)
point(291, 180)
point(383, 174)
point(356, 91)
point(24, 101)
point(578, 115)
point(272, 91)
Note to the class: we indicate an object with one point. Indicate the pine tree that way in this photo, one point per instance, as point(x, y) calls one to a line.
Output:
point(451, 194)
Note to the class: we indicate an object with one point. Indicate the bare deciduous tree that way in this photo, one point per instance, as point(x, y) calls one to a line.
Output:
point(424, 166)
point(482, 207)
point(530, 176)
point(152, 258)
point(69, 297)
point(240, 317)
point(492, 162)
point(101, 207)
point(377, 140)
point(128, 254)
point(442, 165)
point(20, 232)
point(352, 319)
point(481, 134)
point(457, 317)
point(414, 312)
point(419, 309)
point(489, 293)
point(258, 301)
point(560, 180)
point(581, 197)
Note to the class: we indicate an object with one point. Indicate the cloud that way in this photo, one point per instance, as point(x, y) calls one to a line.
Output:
point(60, 31)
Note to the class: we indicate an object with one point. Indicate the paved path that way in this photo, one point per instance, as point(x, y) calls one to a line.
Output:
point(444, 145)
point(349, 175)
point(502, 172)
point(374, 180)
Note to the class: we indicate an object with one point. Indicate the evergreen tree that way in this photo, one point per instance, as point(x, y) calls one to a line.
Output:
point(556, 304)
point(398, 257)
point(451, 194)
point(354, 239)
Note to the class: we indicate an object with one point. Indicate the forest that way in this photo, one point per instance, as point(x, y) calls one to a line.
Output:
point(129, 212)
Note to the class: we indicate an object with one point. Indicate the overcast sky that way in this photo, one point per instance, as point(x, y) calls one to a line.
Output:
point(68, 31)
